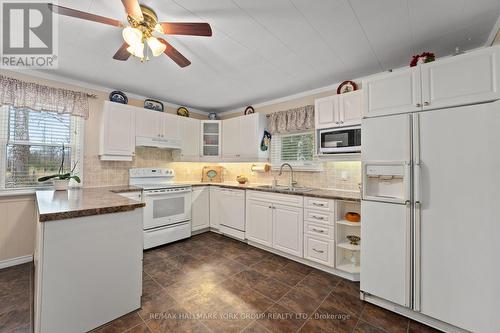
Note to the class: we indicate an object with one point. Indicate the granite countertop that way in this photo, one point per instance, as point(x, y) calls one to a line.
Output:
point(315, 193)
point(79, 202)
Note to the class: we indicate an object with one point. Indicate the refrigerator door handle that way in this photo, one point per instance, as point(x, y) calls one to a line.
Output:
point(408, 268)
point(416, 258)
point(417, 182)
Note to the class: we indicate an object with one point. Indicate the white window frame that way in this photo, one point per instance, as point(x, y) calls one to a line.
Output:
point(4, 140)
point(313, 165)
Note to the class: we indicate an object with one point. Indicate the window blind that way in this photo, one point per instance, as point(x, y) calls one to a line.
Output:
point(297, 149)
point(31, 146)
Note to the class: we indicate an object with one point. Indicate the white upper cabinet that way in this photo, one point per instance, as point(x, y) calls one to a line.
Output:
point(117, 137)
point(210, 139)
point(338, 110)
point(148, 123)
point(468, 78)
point(391, 93)
point(241, 137)
point(460, 80)
point(171, 126)
point(350, 107)
point(190, 139)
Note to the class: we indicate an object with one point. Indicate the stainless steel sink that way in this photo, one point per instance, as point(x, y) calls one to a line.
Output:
point(295, 189)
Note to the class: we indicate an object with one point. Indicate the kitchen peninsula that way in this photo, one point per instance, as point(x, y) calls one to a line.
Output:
point(88, 257)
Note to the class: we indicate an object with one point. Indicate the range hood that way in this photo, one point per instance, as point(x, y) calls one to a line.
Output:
point(142, 141)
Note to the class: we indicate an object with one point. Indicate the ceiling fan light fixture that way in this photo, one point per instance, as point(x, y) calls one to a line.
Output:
point(156, 46)
point(137, 50)
point(132, 36)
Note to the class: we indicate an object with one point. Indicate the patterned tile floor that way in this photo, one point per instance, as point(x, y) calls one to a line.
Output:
point(211, 283)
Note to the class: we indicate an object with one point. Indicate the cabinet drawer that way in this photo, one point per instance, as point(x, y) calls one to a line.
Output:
point(319, 230)
point(319, 250)
point(320, 204)
point(283, 199)
point(318, 216)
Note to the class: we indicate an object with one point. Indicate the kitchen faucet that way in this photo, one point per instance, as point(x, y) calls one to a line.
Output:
point(292, 182)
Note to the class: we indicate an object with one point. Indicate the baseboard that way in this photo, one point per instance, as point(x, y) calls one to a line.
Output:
point(15, 261)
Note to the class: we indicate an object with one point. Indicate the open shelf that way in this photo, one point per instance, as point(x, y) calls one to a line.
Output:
point(351, 224)
point(349, 268)
point(349, 246)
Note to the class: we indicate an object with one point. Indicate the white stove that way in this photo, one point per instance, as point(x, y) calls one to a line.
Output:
point(167, 215)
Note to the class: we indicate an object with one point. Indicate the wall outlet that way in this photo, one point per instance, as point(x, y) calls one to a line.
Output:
point(344, 175)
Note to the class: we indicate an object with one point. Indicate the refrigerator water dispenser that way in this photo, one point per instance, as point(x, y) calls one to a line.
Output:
point(388, 182)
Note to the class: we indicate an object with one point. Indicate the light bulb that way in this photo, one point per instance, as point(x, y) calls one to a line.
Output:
point(156, 46)
point(132, 35)
point(136, 50)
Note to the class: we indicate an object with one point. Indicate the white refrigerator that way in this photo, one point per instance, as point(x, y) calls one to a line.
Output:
point(431, 213)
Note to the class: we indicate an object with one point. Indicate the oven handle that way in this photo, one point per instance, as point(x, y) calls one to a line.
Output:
point(150, 194)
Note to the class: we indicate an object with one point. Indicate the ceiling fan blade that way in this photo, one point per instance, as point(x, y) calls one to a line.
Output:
point(183, 28)
point(174, 54)
point(83, 15)
point(122, 54)
point(133, 9)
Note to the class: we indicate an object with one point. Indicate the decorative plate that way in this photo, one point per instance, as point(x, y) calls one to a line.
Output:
point(212, 116)
point(347, 86)
point(152, 104)
point(211, 174)
point(249, 110)
point(182, 111)
point(118, 97)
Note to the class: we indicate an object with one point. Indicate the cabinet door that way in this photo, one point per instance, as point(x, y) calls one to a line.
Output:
point(326, 112)
point(210, 139)
point(190, 139)
point(392, 93)
point(148, 124)
point(259, 222)
point(350, 108)
point(249, 137)
point(214, 207)
point(171, 126)
point(231, 138)
point(200, 208)
point(118, 132)
point(288, 230)
point(465, 79)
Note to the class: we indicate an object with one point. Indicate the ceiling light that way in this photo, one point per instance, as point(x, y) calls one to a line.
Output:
point(137, 50)
point(156, 46)
point(132, 36)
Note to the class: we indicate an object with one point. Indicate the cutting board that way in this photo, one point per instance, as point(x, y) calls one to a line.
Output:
point(212, 174)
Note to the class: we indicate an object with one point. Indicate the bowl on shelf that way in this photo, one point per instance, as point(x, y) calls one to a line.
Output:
point(353, 239)
point(352, 217)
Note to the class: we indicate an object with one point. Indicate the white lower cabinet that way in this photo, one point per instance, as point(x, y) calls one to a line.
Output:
point(214, 207)
point(278, 226)
point(288, 229)
point(200, 208)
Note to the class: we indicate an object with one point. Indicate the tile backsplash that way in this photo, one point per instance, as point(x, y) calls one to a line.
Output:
point(335, 175)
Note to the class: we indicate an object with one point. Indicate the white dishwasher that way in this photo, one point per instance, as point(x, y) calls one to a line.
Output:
point(232, 212)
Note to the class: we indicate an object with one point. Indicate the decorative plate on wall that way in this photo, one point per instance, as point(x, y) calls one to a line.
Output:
point(249, 110)
point(118, 97)
point(182, 111)
point(212, 174)
point(347, 86)
point(152, 104)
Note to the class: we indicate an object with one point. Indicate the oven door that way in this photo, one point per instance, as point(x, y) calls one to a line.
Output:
point(166, 208)
point(340, 140)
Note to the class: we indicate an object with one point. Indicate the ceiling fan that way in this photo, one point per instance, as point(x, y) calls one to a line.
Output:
point(142, 27)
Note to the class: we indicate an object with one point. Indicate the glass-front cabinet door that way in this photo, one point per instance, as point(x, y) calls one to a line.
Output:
point(210, 139)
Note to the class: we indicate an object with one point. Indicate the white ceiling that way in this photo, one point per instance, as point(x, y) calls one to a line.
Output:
point(266, 49)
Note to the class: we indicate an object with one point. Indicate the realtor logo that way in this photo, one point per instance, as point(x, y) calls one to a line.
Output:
point(29, 37)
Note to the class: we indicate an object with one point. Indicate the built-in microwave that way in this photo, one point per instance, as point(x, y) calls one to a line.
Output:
point(339, 140)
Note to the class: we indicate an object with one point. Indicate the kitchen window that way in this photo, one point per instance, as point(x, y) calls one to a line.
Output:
point(297, 149)
point(31, 146)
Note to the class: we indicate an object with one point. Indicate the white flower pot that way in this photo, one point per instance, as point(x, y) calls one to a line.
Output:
point(61, 184)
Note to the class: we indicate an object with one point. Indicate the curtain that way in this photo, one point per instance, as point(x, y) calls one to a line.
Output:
point(293, 120)
point(37, 97)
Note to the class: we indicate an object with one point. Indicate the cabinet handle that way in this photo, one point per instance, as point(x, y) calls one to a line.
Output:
point(419, 105)
point(270, 206)
point(427, 103)
point(318, 217)
point(318, 230)
point(319, 251)
point(318, 204)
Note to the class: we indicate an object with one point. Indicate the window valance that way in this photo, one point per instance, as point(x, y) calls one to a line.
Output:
point(37, 97)
point(293, 120)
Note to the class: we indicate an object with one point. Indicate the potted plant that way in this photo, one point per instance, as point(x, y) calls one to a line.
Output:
point(61, 179)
